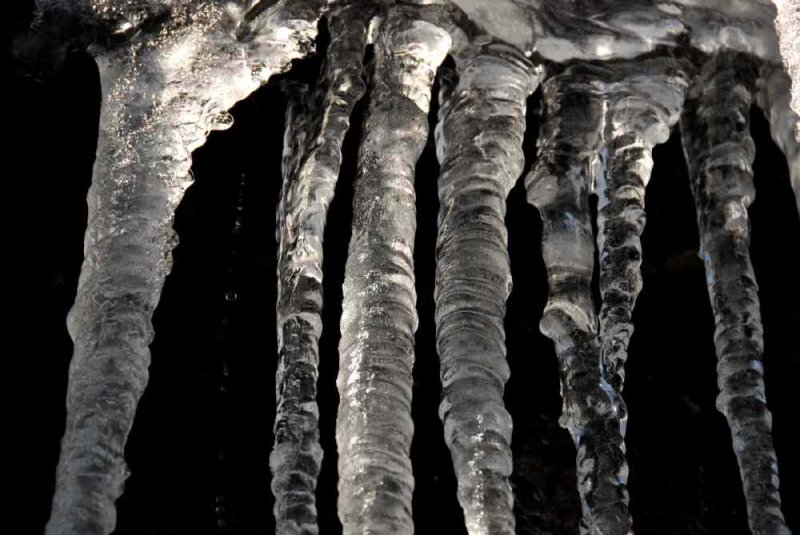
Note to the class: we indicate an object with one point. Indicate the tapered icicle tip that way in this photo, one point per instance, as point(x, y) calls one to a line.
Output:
point(645, 98)
point(720, 152)
point(479, 141)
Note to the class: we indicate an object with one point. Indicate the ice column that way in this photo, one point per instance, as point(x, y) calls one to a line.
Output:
point(643, 105)
point(720, 152)
point(559, 185)
point(773, 97)
point(161, 96)
point(316, 126)
point(374, 427)
point(479, 140)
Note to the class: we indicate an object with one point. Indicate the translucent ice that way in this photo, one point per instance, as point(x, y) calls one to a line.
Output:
point(376, 352)
point(316, 126)
point(568, 166)
point(162, 93)
point(719, 150)
point(479, 140)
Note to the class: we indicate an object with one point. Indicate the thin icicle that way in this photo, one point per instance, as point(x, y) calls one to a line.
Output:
point(161, 96)
point(480, 146)
point(644, 103)
point(719, 150)
point(374, 427)
point(773, 97)
point(559, 185)
point(316, 126)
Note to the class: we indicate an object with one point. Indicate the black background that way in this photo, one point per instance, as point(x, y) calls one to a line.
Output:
point(199, 448)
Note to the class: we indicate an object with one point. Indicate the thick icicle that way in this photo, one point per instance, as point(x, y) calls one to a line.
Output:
point(773, 97)
point(787, 25)
point(559, 185)
point(161, 96)
point(720, 152)
point(374, 427)
point(644, 103)
point(316, 126)
point(480, 144)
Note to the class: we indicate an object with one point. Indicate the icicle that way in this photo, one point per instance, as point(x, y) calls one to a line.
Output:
point(644, 104)
point(720, 152)
point(787, 25)
point(480, 145)
point(559, 185)
point(314, 135)
point(773, 97)
point(161, 96)
point(374, 427)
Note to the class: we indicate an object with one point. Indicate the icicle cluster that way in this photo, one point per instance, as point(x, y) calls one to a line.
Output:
point(614, 87)
point(379, 318)
point(479, 141)
point(600, 125)
point(316, 126)
point(716, 138)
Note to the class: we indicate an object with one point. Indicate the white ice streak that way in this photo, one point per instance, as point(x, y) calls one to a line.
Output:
point(787, 26)
point(773, 98)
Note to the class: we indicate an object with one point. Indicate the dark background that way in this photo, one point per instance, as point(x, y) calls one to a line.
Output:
point(199, 448)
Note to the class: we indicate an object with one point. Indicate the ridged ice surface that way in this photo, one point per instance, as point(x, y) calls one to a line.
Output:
point(161, 96)
point(616, 75)
point(644, 101)
point(560, 30)
point(376, 351)
point(567, 167)
point(317, 122)
point(720, 152)
point(479, 140)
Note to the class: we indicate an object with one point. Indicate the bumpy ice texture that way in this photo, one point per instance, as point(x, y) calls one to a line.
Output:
point(479, 140)
point(376, 351)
